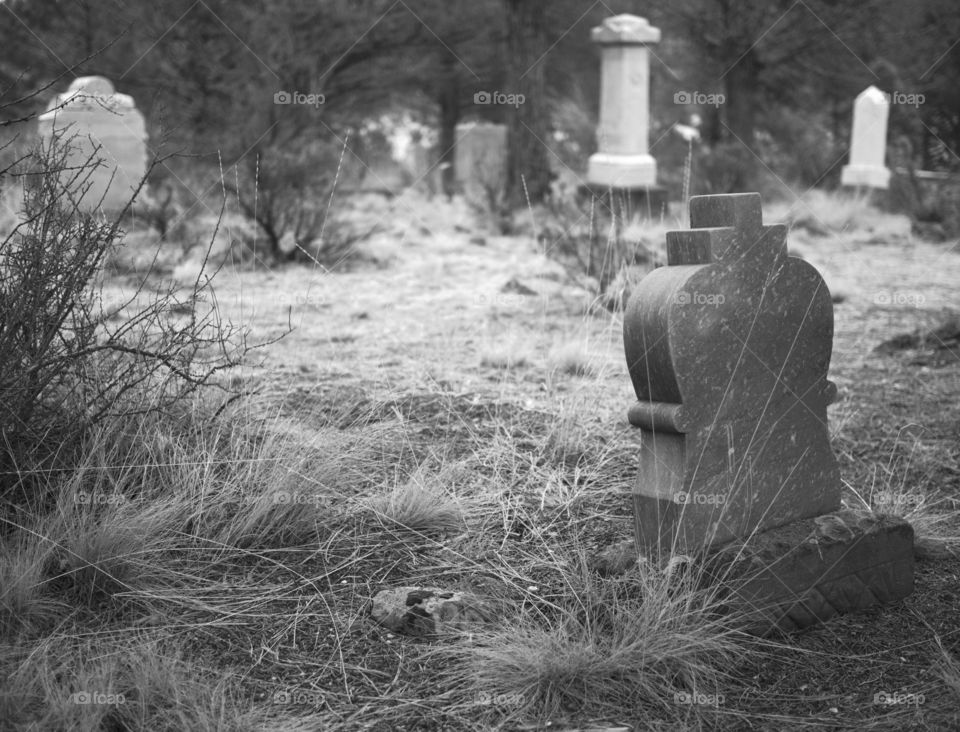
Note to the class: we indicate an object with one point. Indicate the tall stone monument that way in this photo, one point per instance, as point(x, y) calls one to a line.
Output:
point(728, 348)
point(98, 125)
point(868, 142)
point(623, 162)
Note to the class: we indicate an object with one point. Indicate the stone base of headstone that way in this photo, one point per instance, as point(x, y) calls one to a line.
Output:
point(865, 176)
point(648, 202)
point(809, 571)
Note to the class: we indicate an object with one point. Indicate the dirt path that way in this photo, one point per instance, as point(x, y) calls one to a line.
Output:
point(428, 315)
point(432, 312)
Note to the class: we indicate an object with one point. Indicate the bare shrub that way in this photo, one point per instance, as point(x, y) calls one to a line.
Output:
point(66, 361)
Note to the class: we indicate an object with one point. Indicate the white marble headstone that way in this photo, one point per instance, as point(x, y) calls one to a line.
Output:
point(92, 119)
point(868, 142)
point(480, 157)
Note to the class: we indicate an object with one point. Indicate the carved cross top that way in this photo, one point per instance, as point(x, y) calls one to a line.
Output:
point(728, 230)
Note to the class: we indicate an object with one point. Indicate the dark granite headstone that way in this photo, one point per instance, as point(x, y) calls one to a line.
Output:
point(728, 348)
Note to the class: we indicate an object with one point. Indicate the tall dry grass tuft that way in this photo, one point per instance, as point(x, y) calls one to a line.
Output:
point(420, 505)
point(117, 682)
point(630, 647)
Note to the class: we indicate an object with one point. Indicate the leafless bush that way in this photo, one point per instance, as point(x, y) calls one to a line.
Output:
point(289, 193)
point(68, 360)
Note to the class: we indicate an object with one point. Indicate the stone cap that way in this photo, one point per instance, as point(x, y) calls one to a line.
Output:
point(98, 86)
point(625, 30)
point(89, 93)
point(874, 97)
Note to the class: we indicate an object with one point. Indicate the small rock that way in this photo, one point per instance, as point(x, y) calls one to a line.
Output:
point(425, 611)
point(926, 548)
point(517, 287)
point(616, 558)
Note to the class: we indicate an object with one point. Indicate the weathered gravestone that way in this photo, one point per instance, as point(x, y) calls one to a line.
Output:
point(622, 163)
point(480, 160)
point(868, 142)
point(728, 348)
point(98, 127)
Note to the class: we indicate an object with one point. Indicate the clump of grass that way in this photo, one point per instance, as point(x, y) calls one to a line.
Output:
point(617, 294)
point(504, 356)
point(573, 359)
point(631, 647)
point(932, 516)
point(418, 505)
point(25, 603)
point(567, 440)
point(949, 671)
point(137, 684)
point(826, 213)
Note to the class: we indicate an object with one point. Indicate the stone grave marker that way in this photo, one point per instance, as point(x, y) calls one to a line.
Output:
point(623, 162)
point(94, 120)
point(728, 348)
point(480, 159)
point(868, 142)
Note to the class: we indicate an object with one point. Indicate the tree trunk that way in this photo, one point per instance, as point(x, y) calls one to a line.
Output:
point(449, 102)
point(528, 168)
point(741, 102)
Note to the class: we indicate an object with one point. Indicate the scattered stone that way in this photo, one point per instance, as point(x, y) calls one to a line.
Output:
point(937, 347)
point(616, 558)
point(424, 612)
point(928, 548)
point(516, 287)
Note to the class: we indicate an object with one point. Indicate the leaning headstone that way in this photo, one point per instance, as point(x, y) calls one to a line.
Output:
point(105, 128)
point(623, 162)
point(868, 142)
point(480, 159)
point(728, 348)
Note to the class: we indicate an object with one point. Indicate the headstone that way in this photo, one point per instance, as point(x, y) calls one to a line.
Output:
point(480, 158)
point(93, 120)
point(623, 159)
point(728, 348)
point(868, 141)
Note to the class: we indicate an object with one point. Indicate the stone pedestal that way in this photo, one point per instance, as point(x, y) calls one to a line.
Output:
point(868, 142)
point(622, 161)
point(809, 571)
point(98, 125)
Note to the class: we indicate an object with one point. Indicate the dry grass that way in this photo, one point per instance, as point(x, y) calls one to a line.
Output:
point(507, 352)
point(840, 214)
point(614, 648)
point(573, 358)
point(894, 491)
point(420, 505)
point(217, 570)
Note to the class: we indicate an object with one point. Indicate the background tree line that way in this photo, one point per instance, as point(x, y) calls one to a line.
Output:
point(204, 74)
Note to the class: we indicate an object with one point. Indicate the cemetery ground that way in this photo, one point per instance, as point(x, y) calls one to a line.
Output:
point(450, 411)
